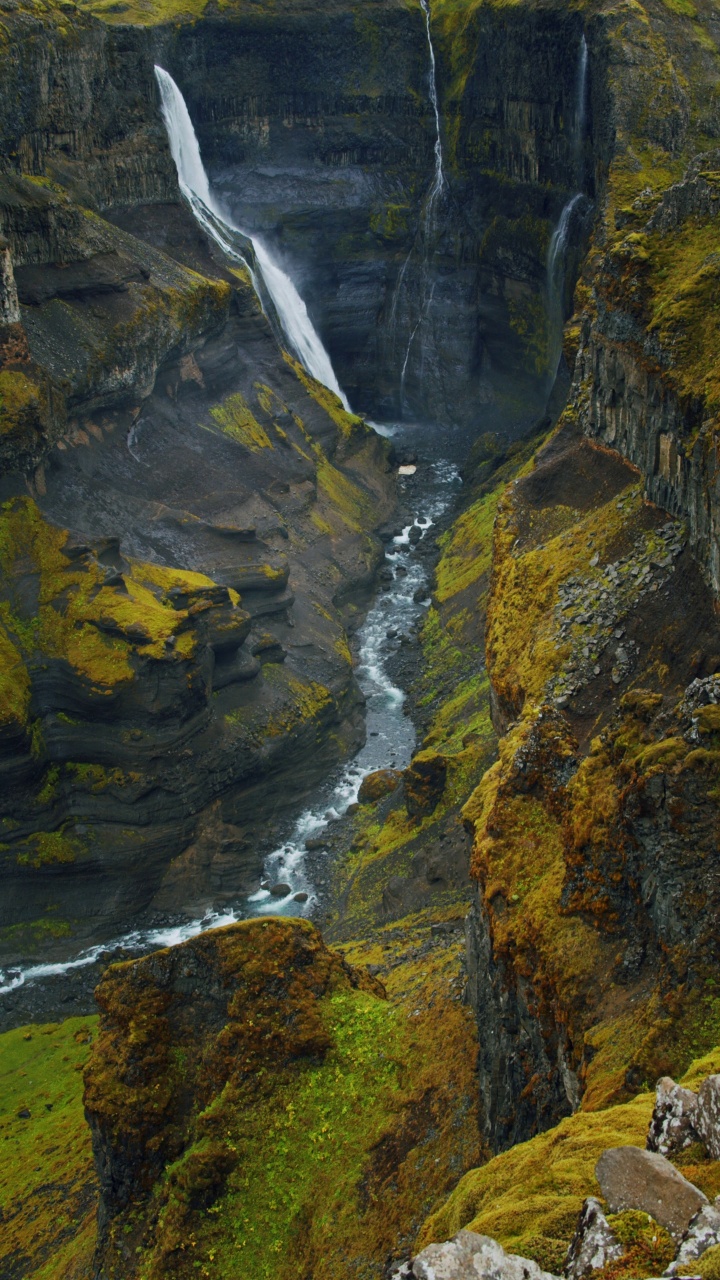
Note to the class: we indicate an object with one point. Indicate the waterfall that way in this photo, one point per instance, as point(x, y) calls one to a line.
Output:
point(439, 177)
point(428, 219)
point(557, 250)
point(291, 311)
point(581, 109)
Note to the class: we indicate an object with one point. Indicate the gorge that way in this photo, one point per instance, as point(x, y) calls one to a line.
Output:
point(360, 664)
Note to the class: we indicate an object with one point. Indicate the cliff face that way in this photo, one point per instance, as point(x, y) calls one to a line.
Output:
point(256, 1102)
point(186, 528)
point(590, 958)
point(319, 131)
point(646, 376)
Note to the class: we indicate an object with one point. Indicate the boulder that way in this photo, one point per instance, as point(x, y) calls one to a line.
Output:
point(708, 1115)
point(424, 782)
point(594, 1244)
point(379, 784)
point(280, 890)
point(674, 1118)
point(631, 1178)
point(702, 1234)
point(469, 1256)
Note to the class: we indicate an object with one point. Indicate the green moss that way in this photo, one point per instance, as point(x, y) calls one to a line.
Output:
point(20, 403)
point(48, 1187)
point(390, 221)
point(707, 1267)
point(347, 423)
point(649, 1248)
point(75, 616)
point(532, 1194)
point(467, 548)
point(683, 309)
point(236, 420)
point(145, 12)
point(327, 1120)
point(344, 496)
point(14, 682)
point(48, 848)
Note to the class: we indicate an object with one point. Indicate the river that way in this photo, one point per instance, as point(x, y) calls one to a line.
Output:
point(390, 740)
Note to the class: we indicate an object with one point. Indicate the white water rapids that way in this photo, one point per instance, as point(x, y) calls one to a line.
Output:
point(389, 744)
point(291, 311)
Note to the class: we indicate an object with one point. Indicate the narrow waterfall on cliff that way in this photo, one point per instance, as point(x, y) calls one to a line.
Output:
point(581, 109)
point(557, 249)
point(439, 178)
point(291, 311)
point(428, 219)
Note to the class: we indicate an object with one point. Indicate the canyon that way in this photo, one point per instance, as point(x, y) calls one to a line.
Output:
point(359, 573)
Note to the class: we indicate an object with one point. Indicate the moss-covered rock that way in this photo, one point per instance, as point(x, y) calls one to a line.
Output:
point(254, 1100)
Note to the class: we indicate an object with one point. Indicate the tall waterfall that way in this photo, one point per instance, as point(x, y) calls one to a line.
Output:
point(581, 108)
point(439, 177)
point(557, 251)
point(428, 219)
point(291, 311)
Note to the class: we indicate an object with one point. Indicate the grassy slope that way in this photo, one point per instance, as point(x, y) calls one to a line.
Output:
point(529, 1197)
point(48, 1189)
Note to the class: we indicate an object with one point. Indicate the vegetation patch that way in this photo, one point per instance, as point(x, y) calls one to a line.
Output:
point(236, 419)
point(529, 1197)
point(48, 1185)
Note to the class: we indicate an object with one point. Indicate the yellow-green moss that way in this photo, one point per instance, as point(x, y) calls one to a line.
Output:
point(347, 423)
point(344, 1119)
point(20, 402)
point(530, 1196)
point(145, 12)
point(46, 848)
point(96, 628)
point(707, 1267)
point(236, 419)
point(48, 1186)
point(14, 682)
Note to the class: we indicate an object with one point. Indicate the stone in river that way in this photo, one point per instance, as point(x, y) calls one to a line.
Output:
point(378, 784)
point(281, 890)
point(302, 896)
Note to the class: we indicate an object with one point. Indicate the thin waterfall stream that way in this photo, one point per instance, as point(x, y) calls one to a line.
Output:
point(427, 227)
point(557, 249)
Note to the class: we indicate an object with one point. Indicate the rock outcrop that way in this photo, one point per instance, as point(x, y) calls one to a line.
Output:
point(251, 1091)
point(634, 1179)
point(468, 1256)
point(594, 1244)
